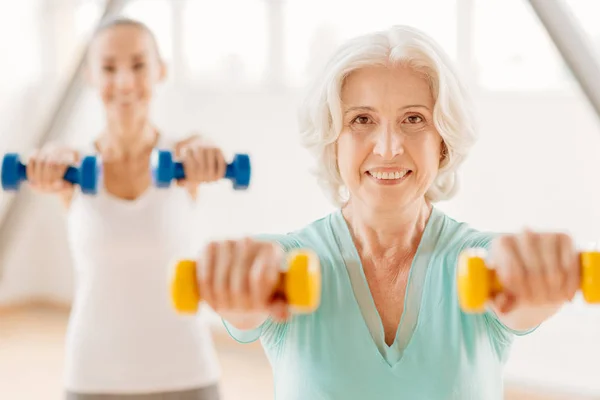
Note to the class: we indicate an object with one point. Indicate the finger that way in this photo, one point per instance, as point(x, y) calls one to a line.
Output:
point(205, 273)
point(31, 169)
point(221, 165)
point(44, 171)
point(180, 149)
point(571, 265)
point(509, 265)
point(184, 156)
point(40, 165)
point(211, 156)
point(202, 158)
point(194, 166)
point(529, 249)
point(506, 303)
point(500, 301)
point(554, 275)
point(57, 166)
point(221, 293)
point(109, 154)
point(238, 279)
point(66, 159)
point(264, 276)
point(279, 310)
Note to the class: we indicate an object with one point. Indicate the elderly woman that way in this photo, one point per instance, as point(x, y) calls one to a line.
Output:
point(389, 124)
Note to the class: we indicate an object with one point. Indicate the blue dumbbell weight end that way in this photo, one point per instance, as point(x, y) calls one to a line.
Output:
point(164, 170)
point(86, 176)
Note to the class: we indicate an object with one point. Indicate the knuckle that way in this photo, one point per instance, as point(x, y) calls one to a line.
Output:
point(229, 245)
point(513, 276)
point(504, 242)
point(255, 278)
point(220, 299)
point(203, 279)
point(274, 248)
point(245, 243)
point(236, 289)
point(555, 276)
point(565, 240)
point(211, 248)
point(531, 237)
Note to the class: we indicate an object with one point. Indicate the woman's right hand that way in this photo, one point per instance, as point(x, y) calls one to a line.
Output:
point(47, 166)
point(241, 277)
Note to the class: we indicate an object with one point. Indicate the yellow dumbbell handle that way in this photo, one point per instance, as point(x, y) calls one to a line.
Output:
point(477, 283)
point(300, 284)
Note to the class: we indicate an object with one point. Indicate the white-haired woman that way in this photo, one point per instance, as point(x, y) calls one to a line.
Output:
point(389, 124)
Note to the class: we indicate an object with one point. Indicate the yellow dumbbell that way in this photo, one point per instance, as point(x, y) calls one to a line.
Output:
point(477, 283)
point(300, 284)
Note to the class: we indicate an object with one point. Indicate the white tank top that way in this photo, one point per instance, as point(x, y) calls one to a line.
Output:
point(124, 336)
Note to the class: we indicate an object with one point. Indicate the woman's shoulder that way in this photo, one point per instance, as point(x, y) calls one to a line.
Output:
point(459, 235)
point(313, 236)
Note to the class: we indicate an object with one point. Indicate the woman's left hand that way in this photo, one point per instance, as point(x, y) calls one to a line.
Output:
point(202, 161)
point(535, 270)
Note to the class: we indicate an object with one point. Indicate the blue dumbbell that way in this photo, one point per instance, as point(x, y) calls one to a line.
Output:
point(164, 170)
point(86, 176)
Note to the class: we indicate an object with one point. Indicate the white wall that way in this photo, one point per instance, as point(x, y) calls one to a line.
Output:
point(535, 165)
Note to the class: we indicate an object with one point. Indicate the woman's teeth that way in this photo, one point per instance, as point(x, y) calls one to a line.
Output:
point(388, 175)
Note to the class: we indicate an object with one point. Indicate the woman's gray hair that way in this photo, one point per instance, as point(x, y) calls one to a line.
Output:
point(320, 116)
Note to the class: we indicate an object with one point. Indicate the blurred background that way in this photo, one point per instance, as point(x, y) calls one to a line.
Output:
point(237, 69)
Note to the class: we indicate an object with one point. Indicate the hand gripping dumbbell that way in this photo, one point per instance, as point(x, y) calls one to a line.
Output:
point(299, 285)
point(86, 175)
point(164, 169)
point(476, 283)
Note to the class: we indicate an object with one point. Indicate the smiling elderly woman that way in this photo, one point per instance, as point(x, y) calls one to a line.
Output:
point(389, 123)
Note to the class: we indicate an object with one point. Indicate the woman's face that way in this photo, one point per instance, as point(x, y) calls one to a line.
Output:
point(124, 66)
point(389, 150)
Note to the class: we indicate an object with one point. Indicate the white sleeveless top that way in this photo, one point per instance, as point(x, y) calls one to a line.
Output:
point(124, 336)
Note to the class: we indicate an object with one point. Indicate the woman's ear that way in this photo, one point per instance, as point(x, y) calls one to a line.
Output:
point(443, 151)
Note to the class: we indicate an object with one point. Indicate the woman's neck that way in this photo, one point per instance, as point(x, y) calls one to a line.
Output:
point(387, 234)
point(127, 141)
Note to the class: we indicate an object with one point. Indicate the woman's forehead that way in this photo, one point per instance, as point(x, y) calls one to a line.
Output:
point(372, 84)
point(124, 40)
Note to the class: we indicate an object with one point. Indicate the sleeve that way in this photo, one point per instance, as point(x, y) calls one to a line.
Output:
point(269, 330)
point(502, 336)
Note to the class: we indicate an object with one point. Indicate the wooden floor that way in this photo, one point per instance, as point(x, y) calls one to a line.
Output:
point(31, 361)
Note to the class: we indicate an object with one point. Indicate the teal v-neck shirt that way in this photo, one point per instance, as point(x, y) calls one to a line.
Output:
point(339, 352)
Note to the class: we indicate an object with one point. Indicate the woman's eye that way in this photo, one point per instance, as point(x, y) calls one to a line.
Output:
point(139, 66)
point(108, 68)
point(361, 120)
point(414, 119)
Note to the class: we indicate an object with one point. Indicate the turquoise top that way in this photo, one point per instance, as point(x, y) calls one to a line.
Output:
point(339, 351)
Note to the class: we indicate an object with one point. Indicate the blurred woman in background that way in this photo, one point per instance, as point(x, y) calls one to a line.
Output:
point(123, 336)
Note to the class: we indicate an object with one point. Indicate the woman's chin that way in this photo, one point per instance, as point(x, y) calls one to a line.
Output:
point(127, 112)
point(388, 201)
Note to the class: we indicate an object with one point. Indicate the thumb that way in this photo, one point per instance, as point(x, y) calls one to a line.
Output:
point(182, 151)
point(504, 302)
point(279, 310)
